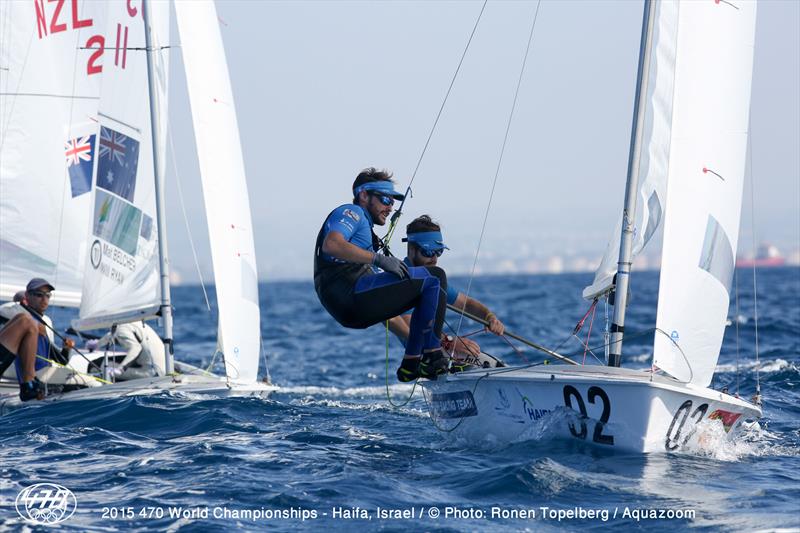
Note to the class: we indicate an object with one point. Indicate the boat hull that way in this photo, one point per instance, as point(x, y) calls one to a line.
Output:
point(612, 408)
point(211, 385)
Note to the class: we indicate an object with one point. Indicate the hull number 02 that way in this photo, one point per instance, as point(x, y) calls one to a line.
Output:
point(594, 393)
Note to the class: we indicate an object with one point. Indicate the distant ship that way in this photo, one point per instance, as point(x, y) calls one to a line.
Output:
point(767, 256)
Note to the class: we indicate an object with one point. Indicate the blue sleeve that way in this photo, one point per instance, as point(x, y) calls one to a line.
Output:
point(346, 220)
point(452, 294)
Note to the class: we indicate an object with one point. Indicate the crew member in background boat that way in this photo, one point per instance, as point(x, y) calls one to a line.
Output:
point(425, 246)
point(145, 355)
point(11, 309)
point(355, 293)
point(30, 333)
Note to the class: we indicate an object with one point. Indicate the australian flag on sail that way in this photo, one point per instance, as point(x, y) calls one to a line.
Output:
point(116, 168)
point(80, 162)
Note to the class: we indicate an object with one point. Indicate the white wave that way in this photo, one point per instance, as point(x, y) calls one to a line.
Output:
point(709, 439)
point(360, 434)
point(739, 319)
point(368, 407)
point(349, 392)
point(640, 358)
point(767, 367)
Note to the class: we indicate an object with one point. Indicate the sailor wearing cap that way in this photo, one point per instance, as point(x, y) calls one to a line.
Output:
point(25, 335)
point(360, 287)
point(425, 246)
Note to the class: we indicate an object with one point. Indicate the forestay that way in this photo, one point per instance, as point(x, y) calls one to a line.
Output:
point(704, 192)
point(224, 188)
point(51, 62)
point(656, 140)
point(121, 283)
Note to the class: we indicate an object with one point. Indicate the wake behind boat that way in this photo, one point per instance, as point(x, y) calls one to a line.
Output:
point(113, 183)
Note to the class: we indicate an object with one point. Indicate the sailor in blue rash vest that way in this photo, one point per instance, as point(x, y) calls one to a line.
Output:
point(357, 294)
point(425, 246)
point(26, 336)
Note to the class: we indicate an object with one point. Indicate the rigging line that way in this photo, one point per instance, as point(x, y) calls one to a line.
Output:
point(71, 369)
point(736, 318)
point(4, 132)
point(186, 221)
point(502, 152)
point(589, 335)
point(388, 392)
point(65, 175)
point(267, 378)
point(51, 95)
point(3, 136)
point(753, 232)
point(399, 211)
point(449, 89)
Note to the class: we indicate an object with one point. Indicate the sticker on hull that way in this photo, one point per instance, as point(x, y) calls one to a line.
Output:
point(459, 404)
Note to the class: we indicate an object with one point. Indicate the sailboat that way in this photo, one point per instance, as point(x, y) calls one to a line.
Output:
point(107, 254)
point(685, 176)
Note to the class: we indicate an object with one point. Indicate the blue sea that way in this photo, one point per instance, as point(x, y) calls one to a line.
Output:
point(328, 450)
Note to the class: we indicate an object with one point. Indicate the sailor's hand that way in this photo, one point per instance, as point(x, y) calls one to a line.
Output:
point(69, 344)
point(467, 347)
point(495, 326)
point(42, 330)
point(460, 346)
point(391, 264)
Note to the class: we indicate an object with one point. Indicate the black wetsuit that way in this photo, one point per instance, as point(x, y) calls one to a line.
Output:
point(358, 296)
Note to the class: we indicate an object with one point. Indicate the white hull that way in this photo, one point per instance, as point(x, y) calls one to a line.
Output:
point(212, 385)
point(623, 409)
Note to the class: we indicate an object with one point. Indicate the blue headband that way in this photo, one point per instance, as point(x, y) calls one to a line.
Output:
point(386, 187)
point(427, 240)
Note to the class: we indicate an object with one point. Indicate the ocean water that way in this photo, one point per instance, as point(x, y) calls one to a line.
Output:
point(329, 446)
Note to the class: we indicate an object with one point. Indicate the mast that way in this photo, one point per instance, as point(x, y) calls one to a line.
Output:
point(631, 188)
point(166, 307)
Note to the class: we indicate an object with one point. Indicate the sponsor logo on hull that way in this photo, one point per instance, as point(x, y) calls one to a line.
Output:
point(459, 404)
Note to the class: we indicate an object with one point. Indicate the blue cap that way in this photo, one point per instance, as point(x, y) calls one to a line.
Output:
point(385, 187)
point(427, 240)
point(38, 283)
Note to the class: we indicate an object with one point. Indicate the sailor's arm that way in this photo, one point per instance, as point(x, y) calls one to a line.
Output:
point(336, 245)
point(476, 308)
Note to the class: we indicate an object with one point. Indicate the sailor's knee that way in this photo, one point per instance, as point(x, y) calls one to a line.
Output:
point(22, 322)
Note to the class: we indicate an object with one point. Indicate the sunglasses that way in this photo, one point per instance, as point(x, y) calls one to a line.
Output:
point(40, 294)
point(431, 253)
point(385, 200)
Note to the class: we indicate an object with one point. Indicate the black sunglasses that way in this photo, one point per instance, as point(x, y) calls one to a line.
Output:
point(431, 253)
point(385, 200)
point(40, 294)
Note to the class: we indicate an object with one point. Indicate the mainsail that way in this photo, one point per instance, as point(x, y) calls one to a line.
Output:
point(704, 190)
point(121, 281)
point(51, 62)
point(224, 188)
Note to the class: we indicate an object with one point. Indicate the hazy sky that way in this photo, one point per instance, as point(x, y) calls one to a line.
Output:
point(324, 89)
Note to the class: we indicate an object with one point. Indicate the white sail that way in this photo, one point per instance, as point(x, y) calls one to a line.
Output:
point(224, 188)
point(51, 60)
point(656, 137)
point(121, 283)
point(704, 192)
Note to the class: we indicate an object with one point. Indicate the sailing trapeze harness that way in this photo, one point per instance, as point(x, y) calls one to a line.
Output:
point(335, 282)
